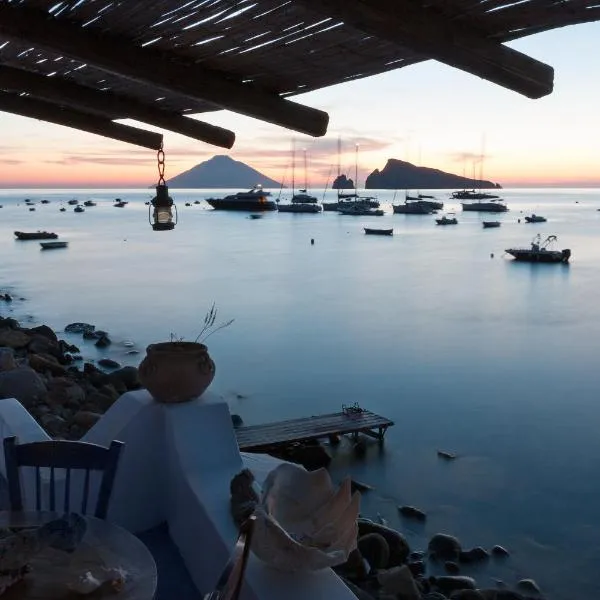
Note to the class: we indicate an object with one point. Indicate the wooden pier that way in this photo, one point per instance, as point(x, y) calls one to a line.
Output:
point(351, 420)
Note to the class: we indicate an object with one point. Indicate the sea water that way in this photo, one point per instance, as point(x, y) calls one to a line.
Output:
point(435, 328)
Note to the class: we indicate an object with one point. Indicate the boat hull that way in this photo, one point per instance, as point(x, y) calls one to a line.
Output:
point(369, 231)
point(35, 235)
point(300, 208)
point(52, 245)
point(253, 205)
point(490, 224)
point(540, 256)
point(412, 208)
point(492, 207)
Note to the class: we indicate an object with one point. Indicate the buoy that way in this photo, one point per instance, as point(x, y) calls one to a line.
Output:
point(492, 255)
point(312, 241)
point(518, 220)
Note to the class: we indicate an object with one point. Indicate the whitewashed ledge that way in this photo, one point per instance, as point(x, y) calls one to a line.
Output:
point(176, 468)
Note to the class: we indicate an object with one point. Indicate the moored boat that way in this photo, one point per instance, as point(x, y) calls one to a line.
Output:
point(472, 195)
point(35, 235)
point(494, 205)
point(533, 218)
point(301, 207)
point(371, 231)
point(53, 245)
point(447, 221)
point(89, 203)
point(491, 224)
point(541, 252)
point(360, 210)
point(415, 207)
point(79, 209)
point(73, 201)
point(254, 199)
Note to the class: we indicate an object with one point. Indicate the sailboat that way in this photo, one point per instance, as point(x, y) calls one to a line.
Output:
point(359, 205)
point(301, 202)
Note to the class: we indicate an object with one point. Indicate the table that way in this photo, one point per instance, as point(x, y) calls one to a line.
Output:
point(104, 544)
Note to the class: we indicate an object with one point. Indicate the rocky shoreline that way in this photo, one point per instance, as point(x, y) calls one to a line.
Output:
point(63, 392)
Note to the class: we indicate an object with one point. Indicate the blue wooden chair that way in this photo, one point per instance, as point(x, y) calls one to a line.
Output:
point(230, 582)
point(66, 455)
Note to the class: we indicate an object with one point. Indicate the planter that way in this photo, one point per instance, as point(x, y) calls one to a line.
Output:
point(176, 371)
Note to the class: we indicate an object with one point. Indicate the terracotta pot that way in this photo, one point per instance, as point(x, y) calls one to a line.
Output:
point(176, 371)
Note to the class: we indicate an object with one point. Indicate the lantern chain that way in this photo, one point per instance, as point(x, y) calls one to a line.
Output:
point(160, 156)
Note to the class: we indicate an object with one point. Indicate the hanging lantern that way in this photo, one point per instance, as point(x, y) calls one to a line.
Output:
point(160, 211)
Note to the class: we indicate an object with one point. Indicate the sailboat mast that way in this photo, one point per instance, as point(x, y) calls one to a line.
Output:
point(356, 170)
point(305, 173)
point(293, 166)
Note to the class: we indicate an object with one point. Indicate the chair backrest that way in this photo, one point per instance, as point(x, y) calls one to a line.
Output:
point(230, 582)
point(67, 455)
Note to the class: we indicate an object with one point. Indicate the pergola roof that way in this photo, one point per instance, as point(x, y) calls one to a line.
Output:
point(85, 63)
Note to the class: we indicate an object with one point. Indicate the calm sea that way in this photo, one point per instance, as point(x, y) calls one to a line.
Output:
point(434, 328)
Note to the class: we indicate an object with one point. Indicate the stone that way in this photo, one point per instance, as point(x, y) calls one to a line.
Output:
point(237, 421)
point(477, 554)
point(451, 568)
point(128, 376)
point(40, 344)
point(359, 486)
point(399, 549)
point(44, 331)
point(86, 418)
point(110, 391)
point(103, 342)
point(399, 580)
point(54, 425)
point(13, 338)
point(450, 583)
point(417, 555)
point(412, 513)
point(79, 327)
point(109, 363)
point(22, 383)
point(374, 548)
point(417, 567)
point(7, 359)
point(65, 392)
point(500, 552)
point(42, 364)
point(528, 586)
point(99, 401)
point(444, 546)
point(466, 595)
point(358, 592)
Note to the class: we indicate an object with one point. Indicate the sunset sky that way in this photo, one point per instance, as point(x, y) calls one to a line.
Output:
point(428, 114)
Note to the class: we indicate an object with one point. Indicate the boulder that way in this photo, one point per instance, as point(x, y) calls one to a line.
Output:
point(399, 580)
point(128, 376)
point(450, 583)
point(79, 327)
point(54, 425)
point(528, 586)
point(86, 418)
point(65, 392)
point(45, 331)
point(399, 549)
point(445, 547)
point(103, 342)
point(477, 554)
point(99, 402)
point(374, 548)
point(22, 383)
point(109, 363)
point(13, 338)
point(412, 513)
point(7, 359)
point(45, 363)
point(40, 344)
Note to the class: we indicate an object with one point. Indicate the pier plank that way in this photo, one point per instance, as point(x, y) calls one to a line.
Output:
point(254, 437)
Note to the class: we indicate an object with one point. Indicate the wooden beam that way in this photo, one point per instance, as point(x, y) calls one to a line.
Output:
point(45, 111)
point(108, 104)
point(453, 42)
point(168, 72)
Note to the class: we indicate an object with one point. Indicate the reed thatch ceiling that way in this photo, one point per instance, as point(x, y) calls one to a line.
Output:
point(85, 63)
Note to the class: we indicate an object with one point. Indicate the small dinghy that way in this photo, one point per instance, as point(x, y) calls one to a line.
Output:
point(370, 231)
point(490, 224)
point(53, 245)
point(35, 235)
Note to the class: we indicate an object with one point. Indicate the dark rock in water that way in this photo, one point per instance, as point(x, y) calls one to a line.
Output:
point(7, 298)
point(79, 327)
point(356, 567)
point(417, 555)
point(417, 567)
point(450, 583)
point(9, 323)
point(491, 594)
point(399, 549)
point(528, 586)
point(500, 552)
point(446, 455)
point(109, 363)
point(128, 376)
point(445, 547)
point(398, 582)
point(359, 486)
point(451, 568)
point(466, 595)
point(236, 420)
point(473, 555)
point(22, 383)
point(103, 342)
point(360, 447)
point(89, 335)
point(374, 548)
point(412, 513)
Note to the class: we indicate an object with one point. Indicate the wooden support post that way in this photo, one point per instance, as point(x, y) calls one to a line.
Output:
point(45, 111)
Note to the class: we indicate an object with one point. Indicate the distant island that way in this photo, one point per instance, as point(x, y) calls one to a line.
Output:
point(221, 171)
point(341, 182)
point(399, 174)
